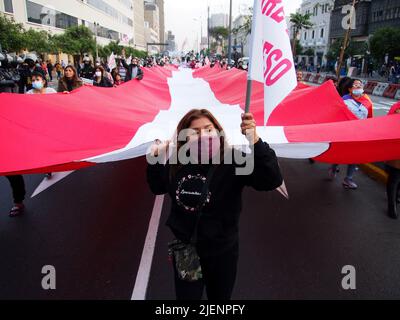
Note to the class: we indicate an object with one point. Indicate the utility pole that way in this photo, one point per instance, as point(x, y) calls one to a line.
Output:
point(95, 36)
point(345, 43)
point(230, 33)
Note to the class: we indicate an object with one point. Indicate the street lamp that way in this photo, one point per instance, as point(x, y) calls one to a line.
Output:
point(201, 31)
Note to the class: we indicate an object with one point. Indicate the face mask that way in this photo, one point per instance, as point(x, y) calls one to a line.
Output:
point(98, 74)
point(206, 147)
point(358, 92)
point(38, 85)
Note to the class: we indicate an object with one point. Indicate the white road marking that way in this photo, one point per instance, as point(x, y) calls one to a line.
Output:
point(143, 275)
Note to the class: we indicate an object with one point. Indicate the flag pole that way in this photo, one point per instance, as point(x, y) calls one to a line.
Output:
point(248, 95)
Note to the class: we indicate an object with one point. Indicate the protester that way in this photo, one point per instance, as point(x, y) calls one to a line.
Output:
point(26, 72)
point(236, 56)
point(87, 71)
point(299, 76)
point(100, 79)
point(209, 216)
point(18, 190)
point(118, 80)
point(393, 183)
point(70, 81)
point(59, 70)
point(133, 71)
point(361, 106)
point(50, 69)
point(39, 84)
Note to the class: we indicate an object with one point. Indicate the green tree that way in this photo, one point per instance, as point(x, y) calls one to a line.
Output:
point(246, 27)
point(309, 52)
point(385, 41)
point(11, 34)
point(37, 41)
point(299, 22)
point(77, 40)
point(354, 48)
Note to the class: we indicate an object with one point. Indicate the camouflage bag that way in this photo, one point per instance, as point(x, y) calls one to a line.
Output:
point(186, 259)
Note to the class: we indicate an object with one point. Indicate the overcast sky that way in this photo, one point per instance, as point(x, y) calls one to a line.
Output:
point(180, 15)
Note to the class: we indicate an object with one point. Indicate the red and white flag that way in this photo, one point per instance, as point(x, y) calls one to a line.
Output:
point(271, 58)
point(51, 133)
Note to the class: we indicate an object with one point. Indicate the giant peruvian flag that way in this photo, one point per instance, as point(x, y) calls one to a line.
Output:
point(58, 132)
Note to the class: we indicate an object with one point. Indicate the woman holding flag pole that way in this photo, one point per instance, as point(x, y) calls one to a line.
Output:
point(206, 200)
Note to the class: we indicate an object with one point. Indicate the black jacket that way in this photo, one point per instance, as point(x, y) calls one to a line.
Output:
point(86, 72)
point(105, 83)
point(129, 69)
point(219, 224)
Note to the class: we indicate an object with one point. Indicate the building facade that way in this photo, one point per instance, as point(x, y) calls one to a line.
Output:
point(241, 40)
point(317, 37)
point(111, 20)
point(161, 14)
point(171, 41)
point(219, 20)
point(384, 13)
point(138, 20)
point(152, 26)
point(339, 20)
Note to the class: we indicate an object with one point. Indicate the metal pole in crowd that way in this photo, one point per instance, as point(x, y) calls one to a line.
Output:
point(230, 33)
point(208, 29)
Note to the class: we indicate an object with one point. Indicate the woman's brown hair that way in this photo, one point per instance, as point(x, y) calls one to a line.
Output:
point(186, 122)
point(75, 78)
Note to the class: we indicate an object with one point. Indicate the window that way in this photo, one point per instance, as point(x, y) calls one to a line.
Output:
point(305, 35)
point(104, 32)
point(315, 11)
point(106, 8)
point(8, 6)
point(49, 17)
point(313, 34)
point(322, 33)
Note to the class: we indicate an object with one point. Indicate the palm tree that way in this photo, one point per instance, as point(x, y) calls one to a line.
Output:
point(299, 21)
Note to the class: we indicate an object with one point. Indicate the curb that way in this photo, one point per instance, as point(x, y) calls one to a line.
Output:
point(374, 172)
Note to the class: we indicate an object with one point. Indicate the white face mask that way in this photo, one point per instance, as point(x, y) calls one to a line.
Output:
point(98, 74)
point(358, 92)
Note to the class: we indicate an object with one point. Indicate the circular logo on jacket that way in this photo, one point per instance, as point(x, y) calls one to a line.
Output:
point(189, 190)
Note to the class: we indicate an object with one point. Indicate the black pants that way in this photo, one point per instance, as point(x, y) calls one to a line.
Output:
point(393, 189)
point(18, 188)
point(219, 275)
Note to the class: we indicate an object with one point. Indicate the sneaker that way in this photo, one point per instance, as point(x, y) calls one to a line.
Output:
point(333, 173)
point(349, 184)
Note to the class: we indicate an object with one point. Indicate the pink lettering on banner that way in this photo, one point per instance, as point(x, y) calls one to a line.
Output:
point(275, 66)
point(273, 9)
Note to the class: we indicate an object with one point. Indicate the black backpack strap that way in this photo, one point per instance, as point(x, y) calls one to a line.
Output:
point(202, 202)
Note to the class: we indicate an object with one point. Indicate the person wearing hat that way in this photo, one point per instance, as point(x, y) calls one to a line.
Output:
point(87, 71)
point(26, 72)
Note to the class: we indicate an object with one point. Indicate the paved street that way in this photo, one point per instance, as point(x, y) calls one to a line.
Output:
point(92, 226)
